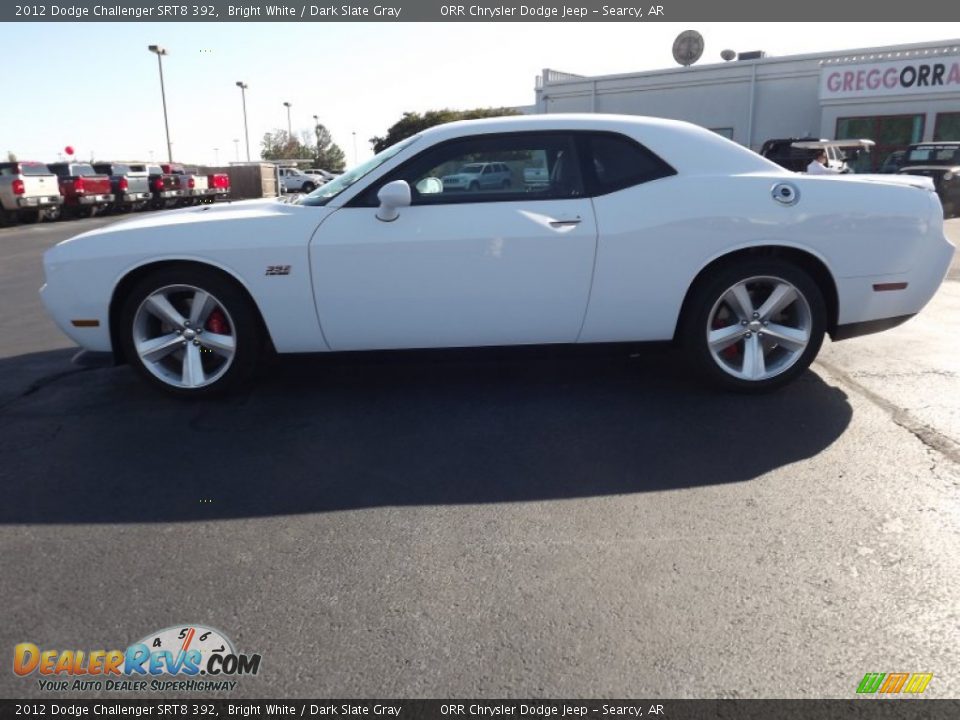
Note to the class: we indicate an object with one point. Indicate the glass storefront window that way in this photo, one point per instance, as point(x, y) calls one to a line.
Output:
point(947, 126)
point(889, 132)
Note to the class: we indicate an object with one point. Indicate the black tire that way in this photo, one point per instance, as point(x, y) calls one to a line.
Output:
point(7, 218)
point(706, 294)
point(308, 187)
point(246, 327)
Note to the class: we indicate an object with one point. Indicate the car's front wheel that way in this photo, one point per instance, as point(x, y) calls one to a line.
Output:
point(191, 331)
point(754, 326)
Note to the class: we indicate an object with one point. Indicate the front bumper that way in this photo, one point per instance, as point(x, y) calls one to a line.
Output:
point(39, 201)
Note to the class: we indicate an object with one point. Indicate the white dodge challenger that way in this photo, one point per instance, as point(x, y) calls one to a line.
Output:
point(640, 229)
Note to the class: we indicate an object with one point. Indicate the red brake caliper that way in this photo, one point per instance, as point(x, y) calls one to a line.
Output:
point(217, 323)
point(731, 352)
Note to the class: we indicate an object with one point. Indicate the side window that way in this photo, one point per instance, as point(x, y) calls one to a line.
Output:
point(616, 162)
point(515, 166)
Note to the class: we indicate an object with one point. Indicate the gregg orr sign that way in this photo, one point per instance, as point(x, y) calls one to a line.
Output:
point(910, 76)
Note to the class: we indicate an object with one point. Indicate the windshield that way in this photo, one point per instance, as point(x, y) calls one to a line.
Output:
point(471, 169)
point(323, 194)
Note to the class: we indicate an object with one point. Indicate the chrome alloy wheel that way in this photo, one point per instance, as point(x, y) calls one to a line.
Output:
point(184, 336)
point(759, 328)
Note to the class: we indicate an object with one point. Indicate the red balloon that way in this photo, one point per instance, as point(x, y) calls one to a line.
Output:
point(68, 149)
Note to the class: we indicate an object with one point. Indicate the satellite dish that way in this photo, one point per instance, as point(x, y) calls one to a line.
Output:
point(728, 55)
point(688, 47)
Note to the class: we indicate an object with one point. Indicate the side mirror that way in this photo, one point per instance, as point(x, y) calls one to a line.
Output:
point(393, 196)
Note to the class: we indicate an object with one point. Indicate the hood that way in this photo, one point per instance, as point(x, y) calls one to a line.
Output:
point(229, 210)
point(170, 222)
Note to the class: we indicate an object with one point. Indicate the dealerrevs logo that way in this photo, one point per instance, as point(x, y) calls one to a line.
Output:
point(183, 657)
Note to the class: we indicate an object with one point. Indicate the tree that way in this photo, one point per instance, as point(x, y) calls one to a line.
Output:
point(412, 122)
point(328, 154)
point(11, 156)
point(279, 145)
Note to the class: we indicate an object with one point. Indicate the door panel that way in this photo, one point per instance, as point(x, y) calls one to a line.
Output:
point(466, 274)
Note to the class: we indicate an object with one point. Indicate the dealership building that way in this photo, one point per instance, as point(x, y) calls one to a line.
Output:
point(892, 95)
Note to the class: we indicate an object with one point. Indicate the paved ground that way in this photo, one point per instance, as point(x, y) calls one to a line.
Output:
point(491, 526)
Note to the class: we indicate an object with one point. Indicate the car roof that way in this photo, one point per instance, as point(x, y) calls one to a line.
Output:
point(687, 147)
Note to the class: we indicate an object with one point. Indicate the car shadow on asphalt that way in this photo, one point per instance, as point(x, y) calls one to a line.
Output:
point(323, 434)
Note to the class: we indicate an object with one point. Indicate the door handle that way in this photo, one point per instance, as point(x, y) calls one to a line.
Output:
point(565, 222)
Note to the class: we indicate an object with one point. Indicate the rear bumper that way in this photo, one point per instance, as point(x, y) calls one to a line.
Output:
point(39, 201)
point(131, 197)
point(874, 303)
point(94, 199)
point(169, 193)
point(868, 327)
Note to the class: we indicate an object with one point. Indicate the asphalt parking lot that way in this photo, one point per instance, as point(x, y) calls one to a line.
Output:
point(495, 525)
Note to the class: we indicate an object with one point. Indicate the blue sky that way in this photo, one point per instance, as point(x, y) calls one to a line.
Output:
point(95, 86)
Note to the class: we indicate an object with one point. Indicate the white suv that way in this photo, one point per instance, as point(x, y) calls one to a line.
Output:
point(474, 176)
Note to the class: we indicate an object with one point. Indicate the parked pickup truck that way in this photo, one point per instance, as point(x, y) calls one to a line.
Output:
point(219, 184)
point(28, 192)
point(84, 190)
point(165, 190)
point(193, 185)
point(129, 183)
point(293, 180)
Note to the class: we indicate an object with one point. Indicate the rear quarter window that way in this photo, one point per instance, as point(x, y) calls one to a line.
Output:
point(614, 162)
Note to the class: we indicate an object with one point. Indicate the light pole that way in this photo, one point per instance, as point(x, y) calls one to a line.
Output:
point(160, 52)
point(289, 126)
point(316, 132)
point(216, 156)
point(236, 148)
point(354, 133)
point(246, 133)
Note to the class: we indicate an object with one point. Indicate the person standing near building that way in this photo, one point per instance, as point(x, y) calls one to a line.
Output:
point(820, 166)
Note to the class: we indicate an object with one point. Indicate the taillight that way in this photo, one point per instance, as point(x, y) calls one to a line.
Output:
point(79, 185)
point(158, 184)
point(18, 188)
point(190, 182)
point(226, 181)
point(123, 184)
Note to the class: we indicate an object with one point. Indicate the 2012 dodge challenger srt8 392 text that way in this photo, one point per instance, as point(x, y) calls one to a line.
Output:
point(635, 229)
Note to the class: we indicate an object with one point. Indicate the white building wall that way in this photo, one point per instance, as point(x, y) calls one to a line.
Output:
point(758, 99)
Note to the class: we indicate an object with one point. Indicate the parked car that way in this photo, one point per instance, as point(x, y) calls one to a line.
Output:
point(940, 162)
point(166, 190)
point(479, 176)
point(294, 180)
point(85, 191)
point(325, 175)
point(28, 192)
point(747, 279)
point(129, 183)
point(535, 177)
point(893, 162)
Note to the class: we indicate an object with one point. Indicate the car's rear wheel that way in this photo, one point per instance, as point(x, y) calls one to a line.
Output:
point(191, 331)
point(754, 326)
point(308, 187)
